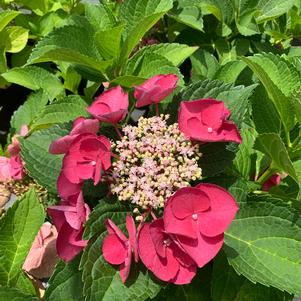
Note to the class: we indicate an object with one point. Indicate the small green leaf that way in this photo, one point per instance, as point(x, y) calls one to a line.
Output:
point(38, 161)
point(187, 12)
point(18, 229)
point(204, 65)
point(13, 294)
point(65, 283)
point(61, 111)
point(264, 243)
point(15, 38)
point(108, 41)
point(272, 145)
point(139, 16)
point(6, 16)
point(35, 78)
point(29, 110)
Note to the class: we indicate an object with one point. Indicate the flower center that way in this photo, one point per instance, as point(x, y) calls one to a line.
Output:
point(167, 242)
point(210, 130)
point(93, 163)
point(155, 160)
point(194, 216)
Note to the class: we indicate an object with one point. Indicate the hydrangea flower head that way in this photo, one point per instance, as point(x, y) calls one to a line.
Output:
point(155, 160)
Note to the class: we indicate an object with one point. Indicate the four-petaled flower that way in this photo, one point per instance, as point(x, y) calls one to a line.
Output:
point(198, 217)
point(87, 156)
point(205, 120)
point(162, 254)
point(117, 249)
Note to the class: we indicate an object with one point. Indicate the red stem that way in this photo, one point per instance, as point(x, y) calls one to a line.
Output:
point(157, 109)
point(117, 131)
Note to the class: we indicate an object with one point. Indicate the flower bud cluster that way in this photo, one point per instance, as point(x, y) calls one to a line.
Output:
point(154, 161)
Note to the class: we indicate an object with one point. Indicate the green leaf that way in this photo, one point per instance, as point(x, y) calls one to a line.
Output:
point(187, 12)
point(229, 72)
point(6, 16)
point(216, 158)
point(139, 16)
point(18, 229)
point(39, 7)
point(204, 65)
point(128, 81)
point(272, 145)
point(174, 52)
point(264, 242)
point(198, 290)
point(280, 79)
point(265, 115)
point(228, 286)
point(61, 111)
point(39, 162)
point(65, 283)
point(245, 154)
point(14, 38)
point(108, 41)
point(13, 294)
point(270, 9)
point(152, 64)
point(25, 114)
point(35, 78)
point(73, 44)
point(101, 280)
point(100, 16)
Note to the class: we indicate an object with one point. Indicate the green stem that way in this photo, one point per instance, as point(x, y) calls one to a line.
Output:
point(266, 175)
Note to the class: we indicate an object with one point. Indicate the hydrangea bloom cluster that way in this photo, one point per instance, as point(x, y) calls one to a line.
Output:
point(154, 167)
point(155, 159)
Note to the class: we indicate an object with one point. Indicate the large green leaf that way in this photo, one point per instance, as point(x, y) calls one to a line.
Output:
point(264, 113)
point(270, 9)
point(187, 12)
point(35, 78)
point(101, 280)
point(61, 111)
point(174, 52)
point(264, 243)
point(139, 16)
point(25, 114)
point(272, 145)
point(228, 286)
point(65, 283)
point(72, 43)
point(244, 156)
point(280, 79)
point(42, 166)
point(6, 16)
point(13, 294)
point(17, 231)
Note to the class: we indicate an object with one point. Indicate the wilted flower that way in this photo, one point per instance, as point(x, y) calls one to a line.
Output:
point(42, 257)
point(5, 174)
point(205, 120)
point(274, 180)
